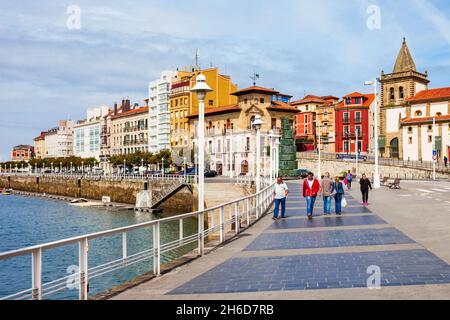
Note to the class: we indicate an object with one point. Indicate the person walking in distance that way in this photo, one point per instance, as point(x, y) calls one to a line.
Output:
point(349, 180)
point(325, 191)
point(311, 188)
point(281, 192)
point(338, 191)
point(365, 186)
point(445, 161)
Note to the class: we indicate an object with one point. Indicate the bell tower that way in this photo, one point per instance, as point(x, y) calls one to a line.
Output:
point(396, 87)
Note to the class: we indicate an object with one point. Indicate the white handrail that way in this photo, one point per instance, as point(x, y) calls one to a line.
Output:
point(249, 209)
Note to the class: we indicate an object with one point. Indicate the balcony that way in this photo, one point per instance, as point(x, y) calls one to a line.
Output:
point(351, 136)
point(135, 142)
point(134, 129)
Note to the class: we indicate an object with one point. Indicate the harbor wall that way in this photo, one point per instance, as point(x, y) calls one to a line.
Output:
point(121, 191)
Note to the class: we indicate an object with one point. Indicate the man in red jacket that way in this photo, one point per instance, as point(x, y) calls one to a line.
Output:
point(311, 188)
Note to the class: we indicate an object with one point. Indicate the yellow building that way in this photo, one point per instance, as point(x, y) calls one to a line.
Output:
point(39, 146)
point(230, 139)
point(183, 103)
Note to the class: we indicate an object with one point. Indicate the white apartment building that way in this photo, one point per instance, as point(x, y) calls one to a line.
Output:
point(159, 113)
point(87, 133)
point(60, 140)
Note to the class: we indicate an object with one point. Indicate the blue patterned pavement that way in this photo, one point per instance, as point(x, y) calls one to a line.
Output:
point(323, 271)
point(332, 221)
point(328, 239)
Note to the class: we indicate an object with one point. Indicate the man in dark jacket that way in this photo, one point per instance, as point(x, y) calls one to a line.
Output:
point(365, 186)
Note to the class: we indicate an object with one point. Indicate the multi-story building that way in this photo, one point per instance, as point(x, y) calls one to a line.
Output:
point(230, 142)
point(305, 133)
point(86, 135)
point(39, 146)
point(159, 113)
point(183, 103)
point(22, 153)
point(419, 137)
point(352, 123)
point(325, 123)
point(59, 140)
point(396, 88)
point(129, 129)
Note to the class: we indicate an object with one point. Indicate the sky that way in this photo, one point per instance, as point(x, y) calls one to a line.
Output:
point(52, 67)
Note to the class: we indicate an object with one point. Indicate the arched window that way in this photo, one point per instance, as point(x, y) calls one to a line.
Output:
point(392, 94)
point(418, 113)
point(438, 114)
point(401, 93)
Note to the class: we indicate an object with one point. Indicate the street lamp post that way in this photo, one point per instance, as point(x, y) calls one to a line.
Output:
point(357, 151)
point(162, 164)
point(184, 167)
point(272, 154)
point(257, 123)
point(319, 173)
point(201, 88)
point(124, 165)
point(231, 153)
point(277, 159)
point(376, 175)
point(434, 149)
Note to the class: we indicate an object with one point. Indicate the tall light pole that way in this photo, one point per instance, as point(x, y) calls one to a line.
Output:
point(277, 157)
point(124, 165)
point(184, 167)
point(257, 124)
point(201, 88)
point(434, 149)
point(319, 173)
point(231, 152)
point(162, 165)
point(272, 154)
point(357, 151)
point(376, 175)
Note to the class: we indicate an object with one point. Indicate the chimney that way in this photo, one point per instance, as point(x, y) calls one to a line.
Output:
point(115, 109)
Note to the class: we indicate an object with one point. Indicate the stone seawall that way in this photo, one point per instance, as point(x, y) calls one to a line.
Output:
point(124, 191)
point(336, 167)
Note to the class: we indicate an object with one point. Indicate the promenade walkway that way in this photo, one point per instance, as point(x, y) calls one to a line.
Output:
point(327, 258)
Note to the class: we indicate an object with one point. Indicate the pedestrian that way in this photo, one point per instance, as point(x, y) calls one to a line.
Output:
point(365, 186)
point(281, 192)
point(326, 188)
point(338, 192)
point(445, 160)
point(311, 188)
point(349, 180)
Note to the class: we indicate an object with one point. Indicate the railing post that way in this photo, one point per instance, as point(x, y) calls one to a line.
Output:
point(248, 212)
point(158, 248)
point(222, 226)
point(36, 268)
point(124, 248)
point(181, 230)
point(201, 235)
point(83, 268)
point(236, 212)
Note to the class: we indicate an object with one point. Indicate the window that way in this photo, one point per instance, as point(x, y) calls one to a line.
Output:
point(401, 93)
point(359, 146)
point(346, 146)
point(430, 139)
point(261, 100)
point(211, 103)
point(438, 114)
point(410, 141)
point(358, 100)
point(245, 101)
point(346, 130)
point(307, 108)
point(358, 117)
point(346, 117)
point(410, 129)
point(418, 113)
point(247, 144)
point(392, 94)
point(359, 130)
point(210, 147)
point(219, 147)
point(273, 123)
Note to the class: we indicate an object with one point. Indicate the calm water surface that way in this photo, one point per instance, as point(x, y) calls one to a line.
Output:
point(26, 221)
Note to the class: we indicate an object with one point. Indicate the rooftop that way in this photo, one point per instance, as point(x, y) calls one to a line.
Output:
point(432, 94)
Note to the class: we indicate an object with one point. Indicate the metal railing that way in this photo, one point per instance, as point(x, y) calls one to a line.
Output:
point(249, 210)
point(421, 165)
point(111, 177)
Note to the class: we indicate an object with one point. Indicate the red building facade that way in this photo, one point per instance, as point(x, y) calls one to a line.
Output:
point(352, 118)
point(22, 153)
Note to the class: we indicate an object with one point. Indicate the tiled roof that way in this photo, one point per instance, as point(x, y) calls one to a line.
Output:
point(130, 113)
point(367, 101)
point(432, 94)
point(218, 110)
point(254, 89)
point(309, 99)
point(284, 107)
point(424, 119)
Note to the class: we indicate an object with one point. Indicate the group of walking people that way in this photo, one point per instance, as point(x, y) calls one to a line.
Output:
point(328, 189)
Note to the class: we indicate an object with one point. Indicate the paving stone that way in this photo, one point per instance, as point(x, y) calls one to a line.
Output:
point(332, 221)
point(328, 239)
point(422, 267)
